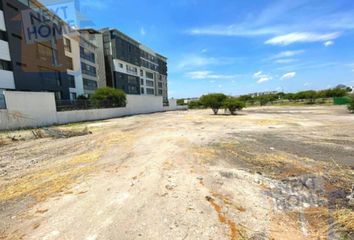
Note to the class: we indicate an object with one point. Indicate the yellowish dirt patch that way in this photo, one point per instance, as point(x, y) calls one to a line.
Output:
point(269, 122)
point(45, 182)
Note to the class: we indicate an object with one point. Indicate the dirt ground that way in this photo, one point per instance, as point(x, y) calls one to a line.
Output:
point(266, 173)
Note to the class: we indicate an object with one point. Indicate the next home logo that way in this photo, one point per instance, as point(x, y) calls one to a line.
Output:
point(41, 25)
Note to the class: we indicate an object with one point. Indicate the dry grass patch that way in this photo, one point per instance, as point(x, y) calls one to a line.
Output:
point(43, 183)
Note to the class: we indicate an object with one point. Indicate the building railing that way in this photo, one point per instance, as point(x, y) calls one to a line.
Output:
point(73, 105)
point(2, 101)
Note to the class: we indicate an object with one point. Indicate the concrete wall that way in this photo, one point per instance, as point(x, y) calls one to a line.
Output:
point(90, 115)
point(136, 104)
point(28, 109)
point(36, 109)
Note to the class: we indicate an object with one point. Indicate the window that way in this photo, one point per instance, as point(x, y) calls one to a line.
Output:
point(120, 65)
point(57, 95)
point(89, 70)
point(67, 44)
point(50, 77)
point(141, 73)
point(3, 36)
point(149, 83)
point(142, 90)
point(73, 96)
point(5, 65)
point(133, 89)
point(133, 80)
point(160, 84)
point(71, 81)
point(90, 85)
point(69, 62)
point(141, 81)
point(44, 53)
point(150, 91)
point(160, 92)
point(87, 55)
point(150, 75)
point(131, 69)
point(92, 37)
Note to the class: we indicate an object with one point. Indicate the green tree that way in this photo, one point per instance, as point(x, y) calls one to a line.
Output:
point(180, 102)
point(233, 105)
point(109, 97)
point(351, 105)
point(214, 100)
point(195, 104)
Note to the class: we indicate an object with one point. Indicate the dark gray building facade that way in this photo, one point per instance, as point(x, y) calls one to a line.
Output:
point(39, 65)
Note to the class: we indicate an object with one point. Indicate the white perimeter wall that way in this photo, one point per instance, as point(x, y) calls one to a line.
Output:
point(36, 109)
point(28, 109)
point(136, 104)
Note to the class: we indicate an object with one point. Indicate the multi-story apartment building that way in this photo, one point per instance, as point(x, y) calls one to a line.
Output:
point(161, 84)
point(75, 62)
point(38, 65)
point(6, 74)
point(122, 60)
point(72, 53)
point(96, 38)
point(132, 66)
point(89, 66)
point(86, 63)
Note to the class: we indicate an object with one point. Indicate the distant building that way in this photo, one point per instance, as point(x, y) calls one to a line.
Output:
point(188, 100)
point(96, 38)
point(262, 93)
point(74, 62)
point(133, 67)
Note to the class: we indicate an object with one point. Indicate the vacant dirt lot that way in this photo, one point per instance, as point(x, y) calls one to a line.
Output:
point(267, 173)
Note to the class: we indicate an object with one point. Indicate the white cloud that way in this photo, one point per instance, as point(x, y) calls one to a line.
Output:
point(204, 50)
point(285, 60)
point(287, 54)
point(233, 30)
point(264, 79)
point(142, 31)
point(301, 37)
point(261, 77)
point(208, 75)
point(257, 74)
point(328, 43)
point(288, 76)
point(192, 61)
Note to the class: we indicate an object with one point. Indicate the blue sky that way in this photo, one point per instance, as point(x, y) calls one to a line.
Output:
point(238, 46)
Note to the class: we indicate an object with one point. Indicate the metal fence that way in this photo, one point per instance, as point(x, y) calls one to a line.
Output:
point(72, 105)
point(2, 101)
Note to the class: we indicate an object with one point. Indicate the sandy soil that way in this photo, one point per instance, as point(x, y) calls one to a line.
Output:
point(267, 173)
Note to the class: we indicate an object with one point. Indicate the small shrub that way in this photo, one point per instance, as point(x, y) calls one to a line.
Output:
point(233, 105)
point(351, 105)
point(214, 100)
point(109, 97)
point(82, 97)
